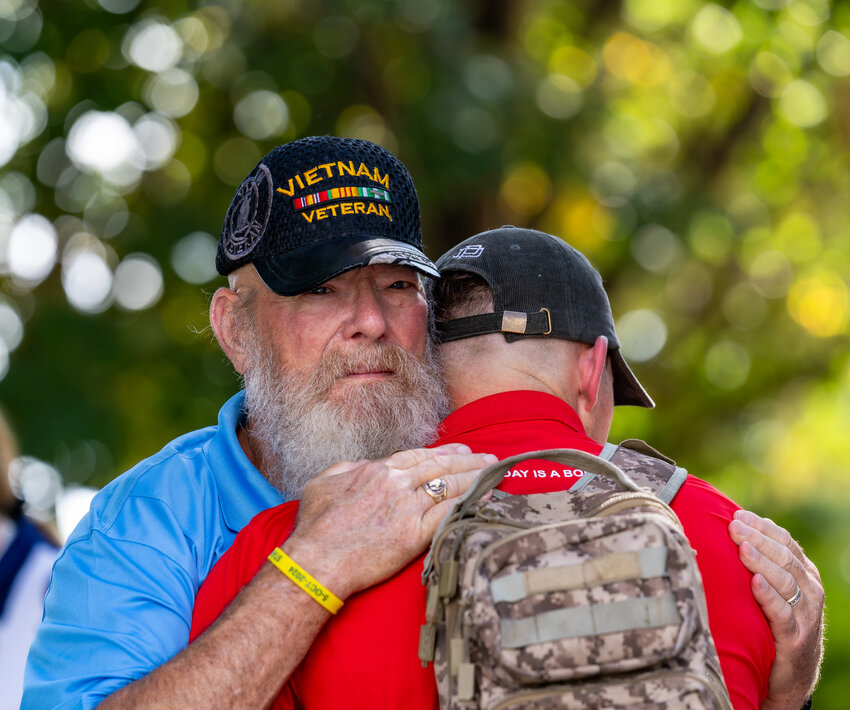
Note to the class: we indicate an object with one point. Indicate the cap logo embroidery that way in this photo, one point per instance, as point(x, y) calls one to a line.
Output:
point(471, 251)
point(248, 215)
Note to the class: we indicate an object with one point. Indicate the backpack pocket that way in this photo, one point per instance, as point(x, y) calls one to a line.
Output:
point(578, 599)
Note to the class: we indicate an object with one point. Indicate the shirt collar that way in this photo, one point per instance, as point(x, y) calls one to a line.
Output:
point(244, 491)
point(505, 407)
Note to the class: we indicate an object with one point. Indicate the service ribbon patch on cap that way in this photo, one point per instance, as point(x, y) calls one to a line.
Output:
point(336, 193)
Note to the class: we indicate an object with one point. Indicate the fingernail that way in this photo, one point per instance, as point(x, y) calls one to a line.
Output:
point(454, 449)
point(739, 528)
point(491, 458)
point(745, 516)
point(761, 582)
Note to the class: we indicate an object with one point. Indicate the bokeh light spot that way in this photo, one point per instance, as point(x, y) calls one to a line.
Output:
point(193, 258)
point(138, 282)
point(642, 334)
point(559, 96)
point(153, 45)
point(574, 63)
point(118, 7)
point(711, 236)
point(833, 52)
point(234, 159)
point(526, 189)
point(727, 365)
point(820, 304)
point(11, 325)
point(802, 104)
point(87, 281)
point(336, 36)
point(261, 114)
point(692, 95)
point(800, 236)
point(31, 250)
point(656, 248)
point(769, 74)
point(104, 142)
point(173, 93)
point(157, 137)
point(771, 274)
point(487, 77)
point(743, 307)
point(635, 60)
point(716, 29)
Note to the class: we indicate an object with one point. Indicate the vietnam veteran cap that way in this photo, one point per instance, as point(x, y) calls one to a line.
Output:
point(318, 206)
point(542, 287)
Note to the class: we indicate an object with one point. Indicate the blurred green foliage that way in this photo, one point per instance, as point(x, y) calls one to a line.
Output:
point(697, 152)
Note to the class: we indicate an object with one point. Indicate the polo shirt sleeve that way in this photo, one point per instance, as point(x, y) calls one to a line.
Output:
point(119, 605)
point(740, 631)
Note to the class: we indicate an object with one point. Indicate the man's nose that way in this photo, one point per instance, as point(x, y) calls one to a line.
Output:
point(368, 317)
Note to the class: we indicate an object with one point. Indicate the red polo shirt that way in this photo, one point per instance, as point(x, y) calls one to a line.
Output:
point(366, 656)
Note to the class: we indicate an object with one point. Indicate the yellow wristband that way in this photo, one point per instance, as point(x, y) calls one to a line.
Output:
point(292, 570)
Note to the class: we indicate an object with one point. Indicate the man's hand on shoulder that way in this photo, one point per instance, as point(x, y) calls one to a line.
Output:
point(780, 569)
point(360, 522)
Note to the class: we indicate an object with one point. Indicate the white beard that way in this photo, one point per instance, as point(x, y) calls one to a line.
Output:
point(300, 428)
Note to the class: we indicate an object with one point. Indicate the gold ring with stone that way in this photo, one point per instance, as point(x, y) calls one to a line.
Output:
point(436, 488)
point(793, 600)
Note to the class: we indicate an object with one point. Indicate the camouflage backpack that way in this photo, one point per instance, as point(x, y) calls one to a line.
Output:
point(586, 598)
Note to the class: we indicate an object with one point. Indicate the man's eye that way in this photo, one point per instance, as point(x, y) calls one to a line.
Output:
point(401, 284)
point(320, 290)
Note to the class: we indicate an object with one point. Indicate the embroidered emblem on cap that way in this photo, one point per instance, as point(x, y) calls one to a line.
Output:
point(248, 215)
point(471, 251)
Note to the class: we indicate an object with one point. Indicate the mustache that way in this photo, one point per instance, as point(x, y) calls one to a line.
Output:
point(405, 367)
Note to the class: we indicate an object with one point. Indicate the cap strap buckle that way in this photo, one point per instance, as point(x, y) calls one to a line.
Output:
point(548, 330)
point(518, 322)
point(514, 322)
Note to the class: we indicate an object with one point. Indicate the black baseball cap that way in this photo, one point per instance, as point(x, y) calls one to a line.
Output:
point(542, 287)
point(318, 206)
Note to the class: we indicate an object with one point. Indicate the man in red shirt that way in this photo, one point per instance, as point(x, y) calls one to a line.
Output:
point(532, 362)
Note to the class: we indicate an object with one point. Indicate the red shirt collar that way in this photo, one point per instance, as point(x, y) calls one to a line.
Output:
point(507, 407)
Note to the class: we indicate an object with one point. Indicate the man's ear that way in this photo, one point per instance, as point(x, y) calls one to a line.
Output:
point(224, 310)
point(591, 369)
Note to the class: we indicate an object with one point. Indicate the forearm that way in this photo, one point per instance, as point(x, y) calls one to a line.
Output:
point(242, 660)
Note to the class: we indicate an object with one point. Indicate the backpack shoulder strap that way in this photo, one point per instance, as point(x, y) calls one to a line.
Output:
point(647, 467)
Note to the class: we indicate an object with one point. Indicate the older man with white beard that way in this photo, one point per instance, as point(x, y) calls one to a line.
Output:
point(326, 318)
point(338, 405)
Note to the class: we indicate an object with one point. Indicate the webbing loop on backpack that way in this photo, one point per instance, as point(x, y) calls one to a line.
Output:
point(595, 620)
point(646, 563)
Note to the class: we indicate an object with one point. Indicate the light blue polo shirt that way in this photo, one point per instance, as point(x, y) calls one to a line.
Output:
point(121, 595)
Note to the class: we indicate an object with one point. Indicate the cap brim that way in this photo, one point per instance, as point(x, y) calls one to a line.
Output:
point(302, 269)
point(627, 389)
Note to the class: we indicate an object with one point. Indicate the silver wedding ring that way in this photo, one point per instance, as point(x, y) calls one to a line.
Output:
point(793, 600)
point(436, 488)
